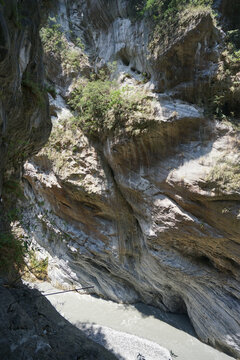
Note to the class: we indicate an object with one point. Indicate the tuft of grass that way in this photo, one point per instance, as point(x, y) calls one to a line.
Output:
point(226, 176)
point(39, 268)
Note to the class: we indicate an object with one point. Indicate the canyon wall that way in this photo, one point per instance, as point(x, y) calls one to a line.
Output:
point(150, 211)
point(30, 328)
point(24, 121)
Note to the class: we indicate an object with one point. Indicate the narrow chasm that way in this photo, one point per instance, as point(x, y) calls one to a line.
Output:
point(119, 181)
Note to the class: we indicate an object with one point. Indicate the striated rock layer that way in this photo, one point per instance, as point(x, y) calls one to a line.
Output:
point(151, 216)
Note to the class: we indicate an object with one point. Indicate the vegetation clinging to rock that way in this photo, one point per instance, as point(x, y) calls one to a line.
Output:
point(38, 268)
point(56, 43)
point(225, 175)
point(167, 16)
point(224, 100)
point(169, 8)
point(102, 106)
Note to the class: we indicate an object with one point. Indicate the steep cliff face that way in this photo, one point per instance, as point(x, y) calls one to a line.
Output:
point(25, 123)
point(24, 119)
point(30, 328)
point(150, 210)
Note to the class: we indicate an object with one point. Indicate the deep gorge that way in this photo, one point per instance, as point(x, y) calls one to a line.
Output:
point(136, 189)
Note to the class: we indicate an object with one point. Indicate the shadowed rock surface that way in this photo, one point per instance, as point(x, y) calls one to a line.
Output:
point(31, 328)
point(24, 118)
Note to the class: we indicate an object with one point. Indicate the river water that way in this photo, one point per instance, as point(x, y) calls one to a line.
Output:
point(132, 330)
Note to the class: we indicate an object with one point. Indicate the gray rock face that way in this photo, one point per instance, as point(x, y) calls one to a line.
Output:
point(142, 234)
point(30, 328)
point(152, 217)
point(112, 31)
point(24, 118)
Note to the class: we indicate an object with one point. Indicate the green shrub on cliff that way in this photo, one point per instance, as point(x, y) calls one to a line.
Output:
point(165, 9)
point(169, 16)
point(225, 91)
point(233, 47)
point(92, 102)
point(103, 106)
point(52, 38)
point(57, 44)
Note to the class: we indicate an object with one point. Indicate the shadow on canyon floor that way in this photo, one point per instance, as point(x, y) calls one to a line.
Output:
point(30, 324)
